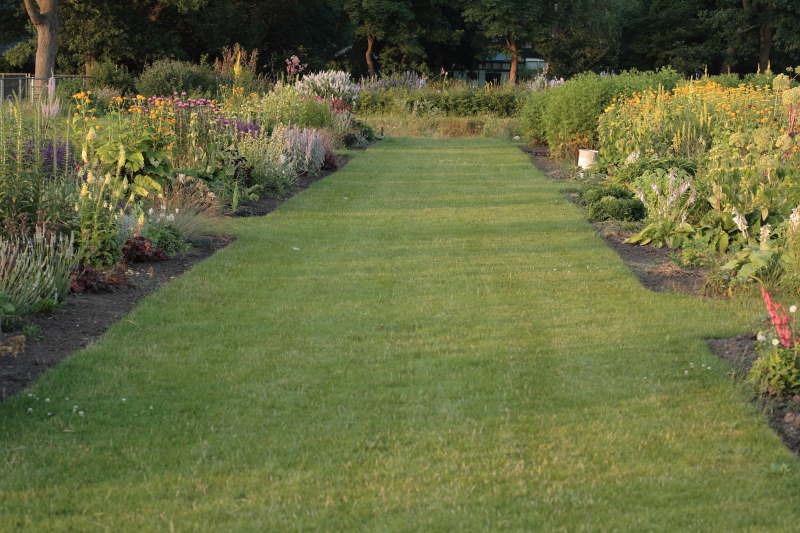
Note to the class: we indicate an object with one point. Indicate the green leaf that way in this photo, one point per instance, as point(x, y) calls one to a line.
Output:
point(135, 161)
point(723, 242)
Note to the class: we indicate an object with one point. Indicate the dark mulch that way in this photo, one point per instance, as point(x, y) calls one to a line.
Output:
point(267, 205)
point(653, 266)
point(739, 351)
point(540, 156)
point(783, 414)
point(84, 317)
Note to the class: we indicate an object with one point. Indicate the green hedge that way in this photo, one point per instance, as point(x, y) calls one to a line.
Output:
point(565, 117)
point(165, 76)
point(463, 100)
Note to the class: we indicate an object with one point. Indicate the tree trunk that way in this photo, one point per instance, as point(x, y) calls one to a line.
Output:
point(729, 60)
point(765, 47)
point(512, 74)
point(44, 16)
point(370, 59)
point(88, 64)
point(766, 33)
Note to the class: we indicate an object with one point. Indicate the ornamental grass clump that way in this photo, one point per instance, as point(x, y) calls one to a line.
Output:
point(195, 208)
point(35, 268)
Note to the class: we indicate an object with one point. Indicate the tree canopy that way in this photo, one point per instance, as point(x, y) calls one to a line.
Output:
point(371, 36)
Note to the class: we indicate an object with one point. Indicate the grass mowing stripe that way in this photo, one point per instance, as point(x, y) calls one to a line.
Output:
point(430, 339)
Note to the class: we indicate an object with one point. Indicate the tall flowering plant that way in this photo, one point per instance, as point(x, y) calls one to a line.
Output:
point(780, 319)
point(777, 370)
point(294, 67)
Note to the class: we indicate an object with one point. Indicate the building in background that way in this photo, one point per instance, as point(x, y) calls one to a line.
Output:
point(496, 69)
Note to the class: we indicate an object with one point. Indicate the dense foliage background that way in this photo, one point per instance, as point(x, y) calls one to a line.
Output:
point(422, 35)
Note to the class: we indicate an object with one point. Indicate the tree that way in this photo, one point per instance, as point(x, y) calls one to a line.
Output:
point(584, 35)
point(380, 19)
point(670, 32)
point(512, 21)
point(752, 28)
point(44, 16)
point(133, 32)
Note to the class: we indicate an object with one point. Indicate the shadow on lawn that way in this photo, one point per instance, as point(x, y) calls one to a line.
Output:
point(658, 273)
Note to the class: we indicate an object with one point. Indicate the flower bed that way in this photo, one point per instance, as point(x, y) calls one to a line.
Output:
point(108, 181)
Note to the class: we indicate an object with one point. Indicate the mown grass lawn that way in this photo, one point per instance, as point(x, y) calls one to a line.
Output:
point(432, 339)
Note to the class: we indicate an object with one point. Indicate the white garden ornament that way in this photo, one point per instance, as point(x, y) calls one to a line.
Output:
point(587, 158)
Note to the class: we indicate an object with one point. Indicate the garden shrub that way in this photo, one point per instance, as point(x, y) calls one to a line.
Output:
point(195, 208)
point(110, 74)
point(611, 202)
point(285, 104)
point(610, 208)
point(166, 76)
point(668, 197)
point(375, 102)
point(66, 87)
point(269, 166)
point(138, 249)
point(729, 80)
point(759, 79)
point(776, 372)
point(569, 114)
point(594, 193)
point(531, 116)
point(160, 229)
point(329, 85)
point(627, 172)
point(453, 99)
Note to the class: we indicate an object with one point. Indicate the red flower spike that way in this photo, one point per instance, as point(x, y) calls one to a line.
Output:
point(779, 319)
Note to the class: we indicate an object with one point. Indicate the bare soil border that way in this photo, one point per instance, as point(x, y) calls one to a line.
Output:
point(653, 266)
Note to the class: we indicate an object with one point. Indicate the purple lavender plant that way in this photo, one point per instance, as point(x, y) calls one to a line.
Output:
point(52, 157)
point(247, 128)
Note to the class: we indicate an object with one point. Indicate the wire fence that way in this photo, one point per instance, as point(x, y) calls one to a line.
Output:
point(21, 85)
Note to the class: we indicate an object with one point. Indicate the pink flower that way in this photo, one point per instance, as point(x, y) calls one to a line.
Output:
point(779, 319)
